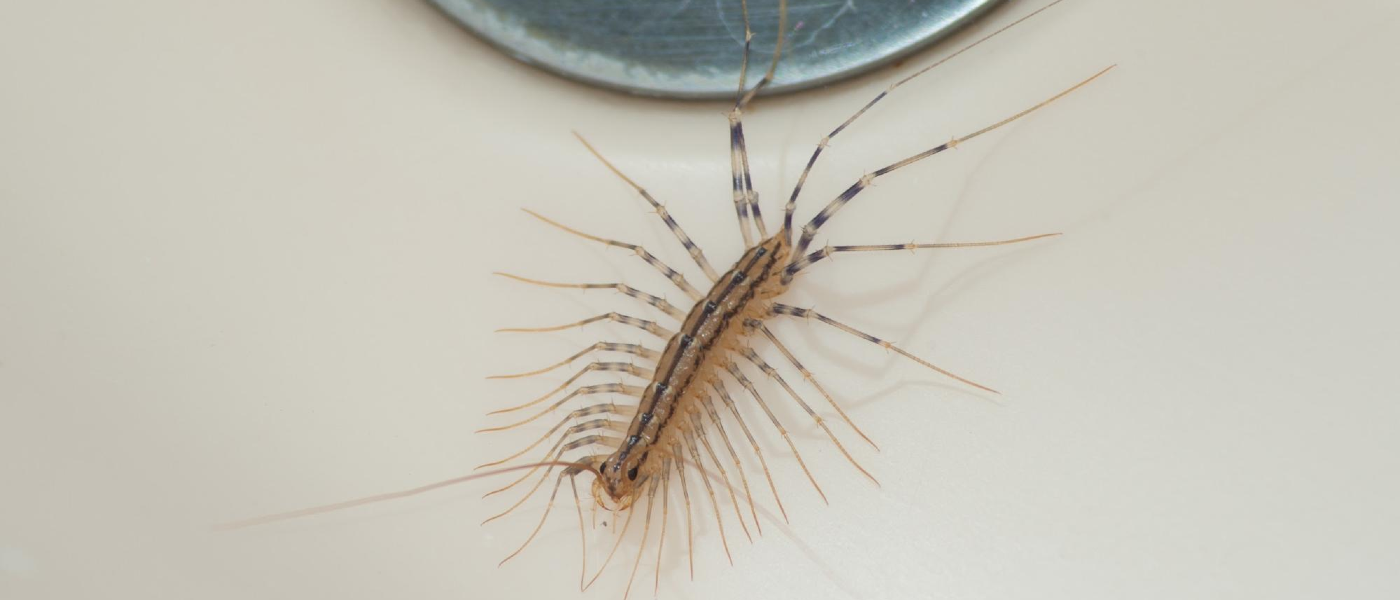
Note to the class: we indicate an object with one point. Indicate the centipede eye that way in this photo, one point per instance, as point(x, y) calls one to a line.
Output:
point(632, 474)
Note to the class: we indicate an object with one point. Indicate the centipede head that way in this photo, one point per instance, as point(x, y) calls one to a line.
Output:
point(620, 476)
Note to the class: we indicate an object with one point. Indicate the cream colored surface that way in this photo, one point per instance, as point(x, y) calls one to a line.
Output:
point(244, 267)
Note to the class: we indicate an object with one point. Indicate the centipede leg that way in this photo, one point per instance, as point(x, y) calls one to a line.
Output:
point(728, 400)
point(748, 385)
point(807, 375)
point(772, 373)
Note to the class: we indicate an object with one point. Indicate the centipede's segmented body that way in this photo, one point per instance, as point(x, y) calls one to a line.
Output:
point(659, 433)
point(693, 358)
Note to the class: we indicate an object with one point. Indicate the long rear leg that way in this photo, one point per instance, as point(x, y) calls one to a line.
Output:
point(825, 141)
point(810, 229)
point(817, 255)
point(806, 313)
point(745, 199)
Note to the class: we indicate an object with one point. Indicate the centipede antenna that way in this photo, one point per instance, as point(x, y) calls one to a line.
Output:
point(691, 248)
point(825, 141)
point(748, 385)
point(810, 229)
point(811, 379)
point(783, 309)
point(671, 274)
point(377, 498)
point(817, 255)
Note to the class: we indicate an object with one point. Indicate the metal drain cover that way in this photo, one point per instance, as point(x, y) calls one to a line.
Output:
point(692, 48)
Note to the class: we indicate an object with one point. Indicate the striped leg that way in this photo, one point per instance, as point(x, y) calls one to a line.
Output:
point(708, 403)
point(602, 388)
point(827, 251)
point(821, 145)
point(748, 385)
point(709, 489)
point(587, 411)
point(728, 400)
point(807, 375)
point(673, 275)
point(772, 373)
point(598, 366)
point(810, 229)
point(633, 349)
point(695, 252)
point(719, 466)
point(793, 311)
point(745, 199)
point(645, 325)
point(656, 301)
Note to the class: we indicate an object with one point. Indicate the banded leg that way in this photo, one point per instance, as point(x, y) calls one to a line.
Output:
point(810, 229)
point(728, 400)
point(708, 404)
point(745, 199)
point(825, 141)
point(773, 374)
point(827, 251)
point(807, 375)
point(596, 366)
point(643, 324)
point(602, 388)
point(633, 349)
point(806, 313)
point(579, 443)
point(655, 301)
point(671, 274)
point(710, 490)
point(748, 385)
point(723, 474)
point(695, 252)
point(611, 409)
